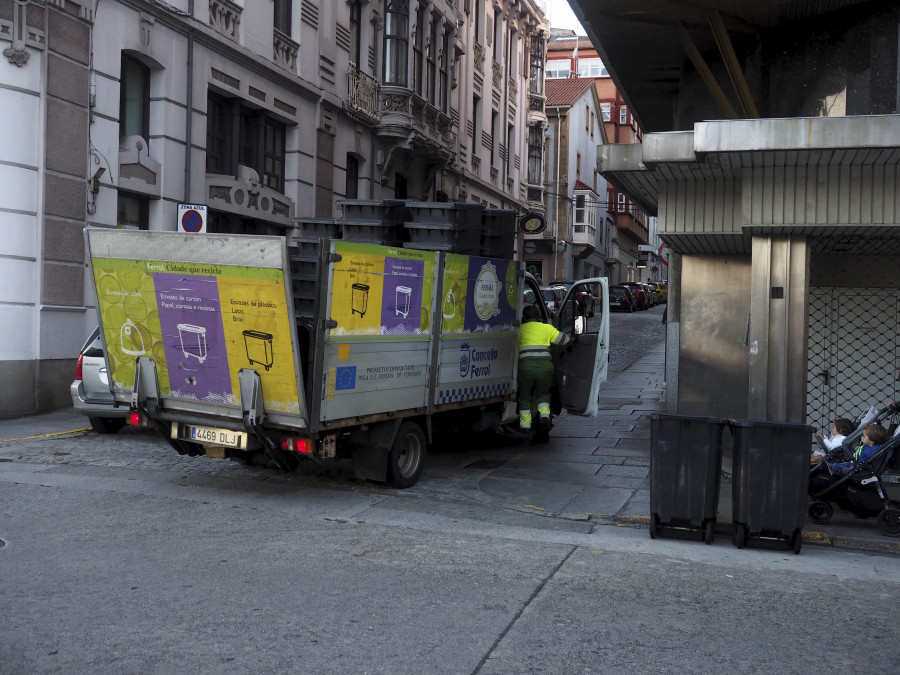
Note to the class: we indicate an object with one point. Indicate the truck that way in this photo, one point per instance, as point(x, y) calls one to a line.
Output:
point(267, 350)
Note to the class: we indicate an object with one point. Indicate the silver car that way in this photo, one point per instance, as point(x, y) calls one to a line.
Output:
point(90, 389)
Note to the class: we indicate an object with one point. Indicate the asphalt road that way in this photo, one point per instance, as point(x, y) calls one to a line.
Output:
point(119, 556)
point(134, 562)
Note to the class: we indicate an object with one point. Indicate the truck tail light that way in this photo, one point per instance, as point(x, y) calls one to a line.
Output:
point(135, 419)
point(78, 366)
point(304, 446)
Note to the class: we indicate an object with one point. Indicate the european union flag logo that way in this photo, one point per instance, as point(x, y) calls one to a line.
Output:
point(345, 378)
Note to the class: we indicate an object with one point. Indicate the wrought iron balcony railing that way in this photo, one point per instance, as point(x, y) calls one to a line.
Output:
point(362, 98)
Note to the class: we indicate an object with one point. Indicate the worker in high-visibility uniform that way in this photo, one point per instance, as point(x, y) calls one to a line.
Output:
point(536, 366)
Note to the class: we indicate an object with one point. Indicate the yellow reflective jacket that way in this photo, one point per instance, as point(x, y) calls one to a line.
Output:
point(535, 338)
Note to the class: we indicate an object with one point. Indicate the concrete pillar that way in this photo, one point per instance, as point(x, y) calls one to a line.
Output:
point(777, 344)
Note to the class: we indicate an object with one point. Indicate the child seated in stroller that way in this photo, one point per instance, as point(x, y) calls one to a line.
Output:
point(873, 437)
point(840, 429)
point(828, 474)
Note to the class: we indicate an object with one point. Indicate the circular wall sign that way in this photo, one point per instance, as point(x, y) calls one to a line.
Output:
point(532, 223)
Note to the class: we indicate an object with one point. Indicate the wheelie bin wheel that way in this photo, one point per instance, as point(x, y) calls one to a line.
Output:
point(820, 512)
point(739, 535)
point(654, 526)
point(889, 522)
point(709, 531)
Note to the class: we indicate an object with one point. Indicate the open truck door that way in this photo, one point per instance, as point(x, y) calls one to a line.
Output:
point(581, 366)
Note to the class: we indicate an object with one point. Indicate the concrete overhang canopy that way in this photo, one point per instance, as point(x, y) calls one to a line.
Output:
point(722, 149)
point(638, 43)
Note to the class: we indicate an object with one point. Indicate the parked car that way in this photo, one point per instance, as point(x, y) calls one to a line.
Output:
point(651, 293)
point(640, 298)
point(586, 300)
point(621, 298)
point(662, 290)
point(553, 296)
point(90, 389)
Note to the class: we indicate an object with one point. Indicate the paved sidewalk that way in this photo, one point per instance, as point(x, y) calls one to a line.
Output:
point(591, 469)
point(600, 468)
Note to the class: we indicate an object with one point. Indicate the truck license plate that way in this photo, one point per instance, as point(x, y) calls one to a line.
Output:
point(232, 439)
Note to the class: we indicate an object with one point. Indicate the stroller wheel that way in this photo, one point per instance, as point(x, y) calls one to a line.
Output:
point(889, 522)
point(820, 512)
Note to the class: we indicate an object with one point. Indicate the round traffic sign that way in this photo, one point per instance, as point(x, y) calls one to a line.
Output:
point(663, 254)
point(191, 221)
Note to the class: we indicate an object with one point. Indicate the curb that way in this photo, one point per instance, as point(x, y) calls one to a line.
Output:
point(814, 537)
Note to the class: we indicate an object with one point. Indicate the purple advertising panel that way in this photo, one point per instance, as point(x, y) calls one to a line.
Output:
point(190, 318)
point(401, 300)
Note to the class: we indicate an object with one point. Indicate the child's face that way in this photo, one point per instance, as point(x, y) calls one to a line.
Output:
point(866, 441)
point(834, 431)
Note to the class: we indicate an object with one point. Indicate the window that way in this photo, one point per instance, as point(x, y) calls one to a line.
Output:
point(606, 111)
point(237, 134)
point(498, 37)
point(536, 64)
point(444, 84)
point(578, 165)
point(431, 58)
point(396, 41)
point(535, 155)
point(217, 134)
point(134, 98)
point(579, 212)
point(510, 148)
point(494, 138)
point(132, 212)
point(273, 156)
point(621, 202)
point(356, 34)
point(592, 68)
point(558, 69)
point(623, 114)
point(419, 52)
point(476, 124)
point(351, 191)
point(587, 118)
point(283, 16)
point(585, 208)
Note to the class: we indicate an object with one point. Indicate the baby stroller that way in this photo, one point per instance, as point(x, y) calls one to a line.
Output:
point(861, 491)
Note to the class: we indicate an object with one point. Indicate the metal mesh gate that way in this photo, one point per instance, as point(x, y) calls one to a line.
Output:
point(852, 355)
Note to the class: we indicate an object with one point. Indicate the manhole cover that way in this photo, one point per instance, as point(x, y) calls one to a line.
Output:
point(486, 464)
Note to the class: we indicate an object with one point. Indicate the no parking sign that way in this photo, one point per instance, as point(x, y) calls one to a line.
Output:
point(192, 218)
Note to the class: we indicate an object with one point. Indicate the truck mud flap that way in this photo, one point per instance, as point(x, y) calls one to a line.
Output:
point(253, 410)
point(370, 450)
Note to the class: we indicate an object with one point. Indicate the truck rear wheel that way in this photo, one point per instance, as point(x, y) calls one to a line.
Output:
point(406, 458)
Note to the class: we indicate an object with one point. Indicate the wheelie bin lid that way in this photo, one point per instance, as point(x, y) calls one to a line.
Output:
point(689, 418)
point(766, 423)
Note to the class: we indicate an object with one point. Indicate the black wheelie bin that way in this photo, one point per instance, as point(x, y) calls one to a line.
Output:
point(685, 468)
point(771, 480)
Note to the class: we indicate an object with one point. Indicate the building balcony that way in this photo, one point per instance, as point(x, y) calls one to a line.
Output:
point(284, 51)
point(362, 96)
point(627, 224)
point(586, 236)
point(407, 117)
point(225, 18)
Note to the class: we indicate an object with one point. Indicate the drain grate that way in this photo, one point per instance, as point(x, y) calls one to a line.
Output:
point(486, 464)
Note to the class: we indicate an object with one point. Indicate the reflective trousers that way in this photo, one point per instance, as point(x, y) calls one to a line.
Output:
point(535, 378)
